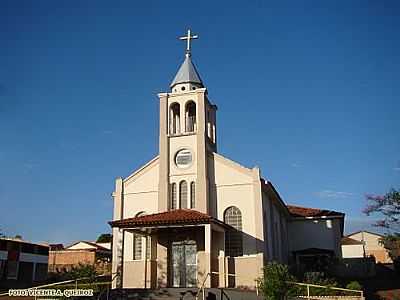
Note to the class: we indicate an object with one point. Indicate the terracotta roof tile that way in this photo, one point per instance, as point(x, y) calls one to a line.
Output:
point(349, 241)
point(298, 211)
point(172, 217)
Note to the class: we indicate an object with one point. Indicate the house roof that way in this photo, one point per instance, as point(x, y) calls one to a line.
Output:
point(172, 217)
point(313, 251)
point(306, 212)
point(18, 240)
point(54, 247)
point(95, 245)
point(187, 73)
point(365, 231)
point(349, 241)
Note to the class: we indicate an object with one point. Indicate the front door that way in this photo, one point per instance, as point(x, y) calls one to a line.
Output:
point(184, 263)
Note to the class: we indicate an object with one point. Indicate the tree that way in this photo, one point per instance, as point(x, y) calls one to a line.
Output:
point(388, 208)
point(275, 284)
point(104, 238)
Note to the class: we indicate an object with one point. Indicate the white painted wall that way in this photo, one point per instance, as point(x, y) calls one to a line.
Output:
point(141, 191)
point(352, 251)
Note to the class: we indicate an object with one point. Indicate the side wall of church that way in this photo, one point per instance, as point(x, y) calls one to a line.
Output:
point(275, 231)
point(138, 193)
point(234, 185)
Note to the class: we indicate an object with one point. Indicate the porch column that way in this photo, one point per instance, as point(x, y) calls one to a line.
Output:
point(222, 278)
point(207, 254)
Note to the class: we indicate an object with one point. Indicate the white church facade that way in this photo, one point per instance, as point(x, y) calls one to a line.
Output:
point(192, 216)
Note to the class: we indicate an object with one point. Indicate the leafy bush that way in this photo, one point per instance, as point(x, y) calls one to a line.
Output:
point(82, 271)
point(354, 285)
point(274, 284)
point(320, 278)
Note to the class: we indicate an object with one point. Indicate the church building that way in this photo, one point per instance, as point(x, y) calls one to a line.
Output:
point(192, 217)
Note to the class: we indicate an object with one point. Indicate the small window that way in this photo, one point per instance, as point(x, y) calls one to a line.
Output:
point(173, 196)
point(183, 193)
point(12, 269)
point(148, 247)
point(183, 88)
point(174, 119)
point(137, 247)
point(137, 241)
point(190, 116)
point(192, 194)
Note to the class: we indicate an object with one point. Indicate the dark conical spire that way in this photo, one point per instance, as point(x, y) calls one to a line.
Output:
point(187, 73)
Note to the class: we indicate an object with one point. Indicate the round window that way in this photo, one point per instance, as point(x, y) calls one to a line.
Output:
point(183, 158)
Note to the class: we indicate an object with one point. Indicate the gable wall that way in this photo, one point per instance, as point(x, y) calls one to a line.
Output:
point(234, 185)
point(140, 192)
point(371, 240)
point(81, 245)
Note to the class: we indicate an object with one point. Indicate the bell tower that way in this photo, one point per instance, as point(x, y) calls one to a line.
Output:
point(187, 137)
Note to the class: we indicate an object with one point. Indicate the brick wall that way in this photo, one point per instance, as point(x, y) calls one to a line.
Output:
point(58, 260)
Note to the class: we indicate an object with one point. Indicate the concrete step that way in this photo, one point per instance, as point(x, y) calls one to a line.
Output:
point(180, 294)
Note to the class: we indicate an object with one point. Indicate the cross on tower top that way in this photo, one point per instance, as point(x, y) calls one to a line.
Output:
point(188, 37)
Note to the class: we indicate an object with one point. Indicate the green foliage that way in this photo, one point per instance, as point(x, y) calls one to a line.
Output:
point(274, 285)
point(104, 238)
point(320, 278)
point(354, 285)
point(82, 271)
point(391, 242)
point(387, 207)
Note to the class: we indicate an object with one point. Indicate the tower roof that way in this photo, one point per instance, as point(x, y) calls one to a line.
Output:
point(187, 73)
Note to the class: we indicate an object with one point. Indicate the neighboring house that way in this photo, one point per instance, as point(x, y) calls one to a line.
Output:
point(372, 246)
point(22, 263)
point(191, 216)
point(352, 248)
point(83, 252)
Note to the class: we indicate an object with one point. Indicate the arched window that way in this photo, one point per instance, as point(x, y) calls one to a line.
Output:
point(183, 193)
point(174, 118)
point(192, 194)
point(137, 241)
point(190, 116)
point(233, 239)
point(173, 196)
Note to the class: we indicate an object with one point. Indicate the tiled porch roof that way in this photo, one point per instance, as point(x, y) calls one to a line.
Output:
point(298, 211)
point(172, 217)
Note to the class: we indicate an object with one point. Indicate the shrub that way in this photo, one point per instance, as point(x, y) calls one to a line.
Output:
point(82, 271)
point(320, 278)
point(354, 285)
point(274, 284)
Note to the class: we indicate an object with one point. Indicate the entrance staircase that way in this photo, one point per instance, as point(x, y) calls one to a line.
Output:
point(180, 294)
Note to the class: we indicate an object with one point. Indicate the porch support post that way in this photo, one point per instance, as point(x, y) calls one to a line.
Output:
point(221, 260)
point(207, 254)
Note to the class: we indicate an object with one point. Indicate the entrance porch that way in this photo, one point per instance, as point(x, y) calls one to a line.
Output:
point(182, 248)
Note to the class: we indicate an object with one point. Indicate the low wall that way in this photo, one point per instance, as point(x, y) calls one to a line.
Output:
point(355, 268)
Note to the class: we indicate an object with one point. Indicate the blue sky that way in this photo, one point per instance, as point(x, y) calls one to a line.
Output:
point(306, 90)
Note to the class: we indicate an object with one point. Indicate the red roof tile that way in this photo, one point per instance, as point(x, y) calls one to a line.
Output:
point(349, 241)
point(298, 211)
point(172, 217)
